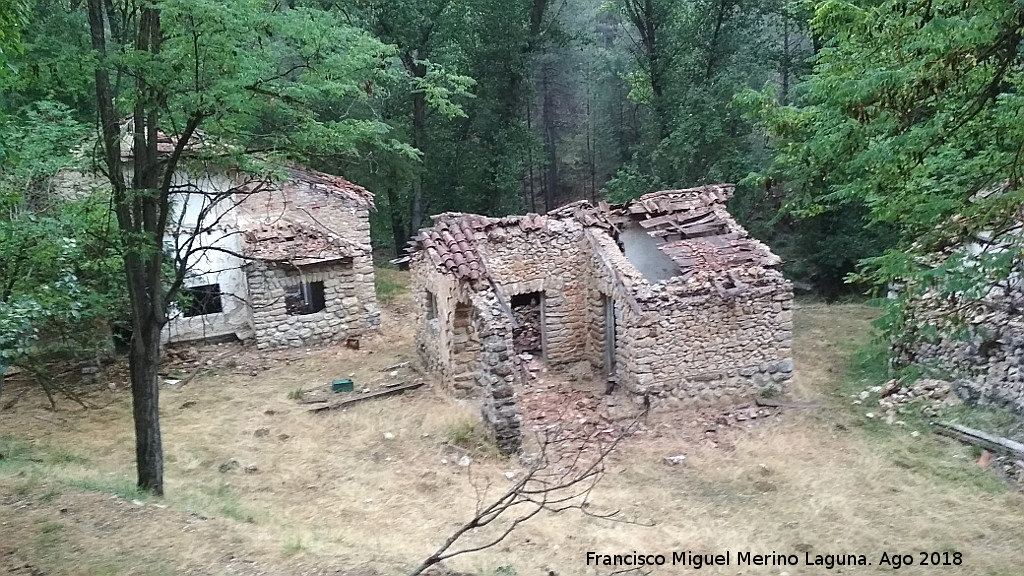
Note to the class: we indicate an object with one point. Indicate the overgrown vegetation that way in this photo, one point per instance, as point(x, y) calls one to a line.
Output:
point(389, 284)
point(909, 442)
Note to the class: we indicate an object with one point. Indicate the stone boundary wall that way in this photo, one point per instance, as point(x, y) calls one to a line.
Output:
point(985, 364)
point(350, 303)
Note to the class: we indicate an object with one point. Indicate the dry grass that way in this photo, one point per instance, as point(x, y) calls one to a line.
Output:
point(336, 494)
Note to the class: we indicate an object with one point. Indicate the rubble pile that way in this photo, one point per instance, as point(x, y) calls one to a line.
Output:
point(589, 420)
point(527, 337)
point(926, 395)
point(745, 415)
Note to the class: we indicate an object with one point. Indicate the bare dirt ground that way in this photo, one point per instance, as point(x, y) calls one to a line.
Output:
point(372, 490)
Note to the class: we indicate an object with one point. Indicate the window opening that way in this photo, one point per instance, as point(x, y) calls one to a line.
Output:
point(202, 300)
point(305, 298)
point(431, 301)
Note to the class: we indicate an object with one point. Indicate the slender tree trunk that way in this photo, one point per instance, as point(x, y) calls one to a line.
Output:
point(144, 361)
point(419, 124)
point(785, 59)
point(713, 45)
point(550, 138)
point(141, 217)
point(398, 228)
point(529, 151)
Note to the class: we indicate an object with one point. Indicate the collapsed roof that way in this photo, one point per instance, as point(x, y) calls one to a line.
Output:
point(293, 243)
point(691, 226)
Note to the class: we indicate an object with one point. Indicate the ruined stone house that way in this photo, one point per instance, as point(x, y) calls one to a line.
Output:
point(667, 296)
point(287, 262)
point(283, 258)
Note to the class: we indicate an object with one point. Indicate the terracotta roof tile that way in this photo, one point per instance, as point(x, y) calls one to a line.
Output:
point(329, 183)
point(291, 242)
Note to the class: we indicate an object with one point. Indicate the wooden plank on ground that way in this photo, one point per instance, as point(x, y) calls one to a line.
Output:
point(776, 403)
point(370, 396)
point(985, 440)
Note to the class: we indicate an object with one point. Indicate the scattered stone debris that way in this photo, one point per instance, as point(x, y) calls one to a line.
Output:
point(675, 460)
point(262, 432)
point(251, 469)
point(744, 415)
point(229, 465)
point(927, 396)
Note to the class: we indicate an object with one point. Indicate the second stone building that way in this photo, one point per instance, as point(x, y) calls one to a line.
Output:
point(667, 297)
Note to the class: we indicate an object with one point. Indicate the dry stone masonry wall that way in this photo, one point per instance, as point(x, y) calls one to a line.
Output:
point(984, 358)
point(349, 305)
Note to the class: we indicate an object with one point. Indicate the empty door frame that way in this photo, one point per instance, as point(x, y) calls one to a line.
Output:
point(609, 334)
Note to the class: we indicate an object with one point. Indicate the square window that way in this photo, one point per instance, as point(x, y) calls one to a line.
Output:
point(202, 300)
point(305, 298)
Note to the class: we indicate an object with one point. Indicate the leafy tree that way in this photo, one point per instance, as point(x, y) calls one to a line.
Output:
point(12, 18)
point(262, 75)
point(911, 117)
point(58, 263)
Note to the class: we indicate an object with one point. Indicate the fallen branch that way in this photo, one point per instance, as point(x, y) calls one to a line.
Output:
point(372, 395)
point(559, 479)
point(203, 364)
point(984, 440)
point(773, 403)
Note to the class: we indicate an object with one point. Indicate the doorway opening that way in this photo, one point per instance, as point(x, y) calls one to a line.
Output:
point(528, 310)
point(609, 336)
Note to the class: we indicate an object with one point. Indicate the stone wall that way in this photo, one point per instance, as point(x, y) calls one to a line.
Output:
point(339, 214)
point(984, 359)
point(435, 338)
point(496, 372)
point(683, 342)
point(469, 345)
point(550, 261)
point(350, 303)
point(703, 349)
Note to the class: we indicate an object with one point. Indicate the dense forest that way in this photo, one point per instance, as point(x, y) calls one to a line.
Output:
point(865, 136)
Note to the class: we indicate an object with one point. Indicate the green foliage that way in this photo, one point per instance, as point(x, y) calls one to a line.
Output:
point(13, 14)
point(629, 183)
point(59, 272)
point(912, 112)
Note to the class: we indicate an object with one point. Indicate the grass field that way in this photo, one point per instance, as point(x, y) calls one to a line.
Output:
point(374, 489)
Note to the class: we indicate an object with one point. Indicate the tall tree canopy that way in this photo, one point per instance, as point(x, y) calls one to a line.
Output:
point(910, 121)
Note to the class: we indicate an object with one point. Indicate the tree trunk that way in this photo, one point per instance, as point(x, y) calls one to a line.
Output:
point(141, 211)
point(144, 360)
point(550, 137)
point(398, 228)
point(419, 128)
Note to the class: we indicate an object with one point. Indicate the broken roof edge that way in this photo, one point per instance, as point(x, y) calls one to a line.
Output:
point(708, 234)
point(315, 179)
point(292, 242)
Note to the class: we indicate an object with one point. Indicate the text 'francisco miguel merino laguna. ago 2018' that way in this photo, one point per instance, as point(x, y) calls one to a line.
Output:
point(730, 558)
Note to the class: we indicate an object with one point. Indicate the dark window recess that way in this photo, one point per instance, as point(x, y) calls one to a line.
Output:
point(431, 305)
point(305, 298)
point(202, 300)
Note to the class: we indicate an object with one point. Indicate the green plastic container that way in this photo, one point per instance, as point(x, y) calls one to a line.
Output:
point(344, 385)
